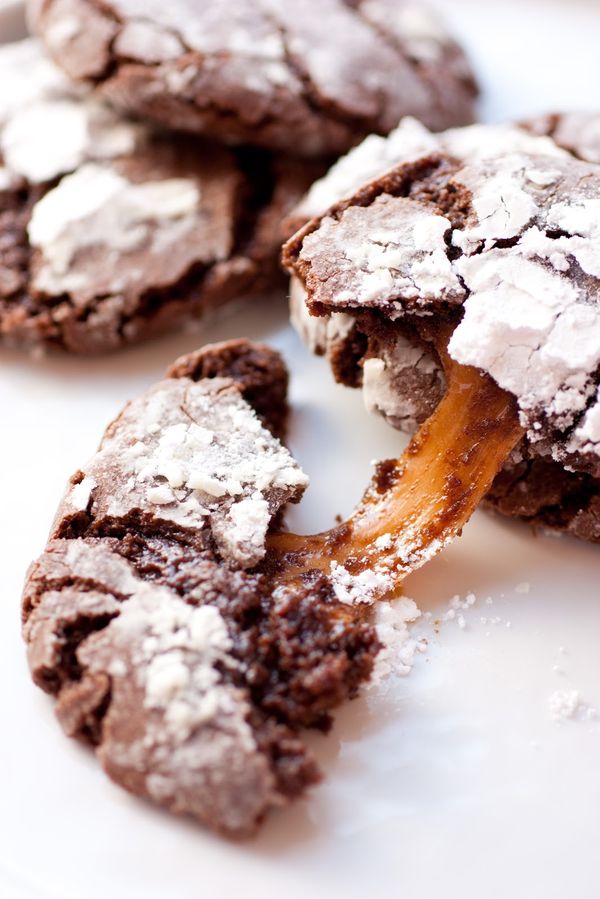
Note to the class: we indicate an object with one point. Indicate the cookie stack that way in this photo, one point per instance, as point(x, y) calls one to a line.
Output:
point(148, 169)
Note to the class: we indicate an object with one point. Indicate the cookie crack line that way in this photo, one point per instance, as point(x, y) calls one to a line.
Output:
point(112, 61)
point(312, 97)
point(395, 44)
point(174, 32)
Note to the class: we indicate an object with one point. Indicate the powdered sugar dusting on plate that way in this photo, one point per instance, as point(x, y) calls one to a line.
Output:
point(399, 645)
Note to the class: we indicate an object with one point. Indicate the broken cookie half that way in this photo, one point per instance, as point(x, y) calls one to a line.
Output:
point(153, 619)
point(488, 234)
point(184, 634)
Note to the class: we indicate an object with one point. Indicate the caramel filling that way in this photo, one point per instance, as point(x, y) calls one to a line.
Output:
point(419, 502)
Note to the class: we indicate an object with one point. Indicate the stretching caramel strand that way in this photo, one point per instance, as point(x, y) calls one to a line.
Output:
point(419, 502)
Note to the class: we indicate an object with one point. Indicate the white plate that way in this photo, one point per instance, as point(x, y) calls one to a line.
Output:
point(455, 782)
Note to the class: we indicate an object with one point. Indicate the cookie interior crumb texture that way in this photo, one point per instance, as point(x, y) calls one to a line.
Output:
point(490, 229)
point(311, 82)
point(152, 617)
point(114, 232)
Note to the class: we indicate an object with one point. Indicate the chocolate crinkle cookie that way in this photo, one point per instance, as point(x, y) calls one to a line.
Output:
point(110, 231)
point(154, 616)
point(311, 77)
point(489, 234)
point(578, 132)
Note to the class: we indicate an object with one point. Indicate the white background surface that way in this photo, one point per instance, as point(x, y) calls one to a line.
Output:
point(455, 782)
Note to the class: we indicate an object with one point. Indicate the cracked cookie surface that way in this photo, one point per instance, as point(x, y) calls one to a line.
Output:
point(157, 622)
point(262, 71)
point(112, 232)
point(578, 132)
point(504, 247)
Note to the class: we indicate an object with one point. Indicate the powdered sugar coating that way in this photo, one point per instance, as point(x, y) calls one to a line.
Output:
point(363, 588)
point(174, 731)
point(411, 141)
point(248, 71)
point(522, 258)
point(195, 455)
point(392, 620)
point(51, 137)
point(578, 132)
point(47, 128)
point(542, 340)
point(144, 39)
point(98, 208)
point(319, 333)
point(397, 556)
point(132, 230)
point(389, 253)
point(413, 25)
point(193, 739)
point(95, 229)
point(118, 212)
point(44, 80)
point(403, 384)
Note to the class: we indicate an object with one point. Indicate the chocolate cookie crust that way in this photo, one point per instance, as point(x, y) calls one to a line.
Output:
point(264, 72)
point(577, 132)
point(153, 615)
point(437, 242)
point(112, 232)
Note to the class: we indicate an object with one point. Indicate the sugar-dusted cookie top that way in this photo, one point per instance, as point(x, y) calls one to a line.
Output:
point(408, 142)
point(311, 78)
point(578, 132)
point(156, 620)
point(112, 232)
point(508, 247)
